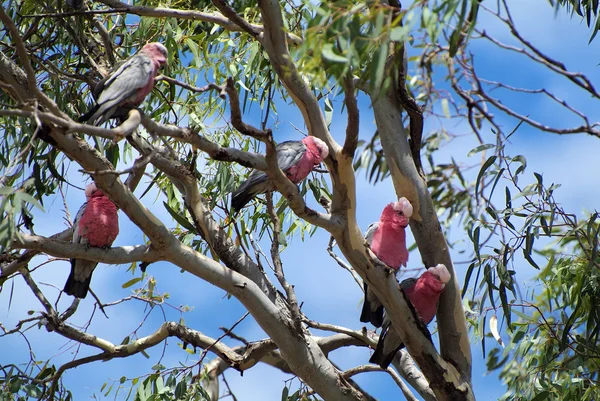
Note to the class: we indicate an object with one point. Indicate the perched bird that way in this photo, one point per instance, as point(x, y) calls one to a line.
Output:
point(295, 158)
point(424, 293)
point(127, 86)
point(387, 239)
point(96, 224)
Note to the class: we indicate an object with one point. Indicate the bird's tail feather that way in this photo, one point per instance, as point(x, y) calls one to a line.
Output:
point(239, 200)
point(242, 196)
point(380, 358)
point(367, 315)
point(78, 289)
point(87, 116)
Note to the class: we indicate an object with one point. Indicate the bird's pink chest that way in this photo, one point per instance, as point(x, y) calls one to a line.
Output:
point(100, 222)
point(390, 246)
point(302, 169)
point(425, 302)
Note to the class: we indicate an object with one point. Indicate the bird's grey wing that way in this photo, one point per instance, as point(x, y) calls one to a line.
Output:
point(125, 81)
point(77, 237)
point(99, 86)
point(289, 153)
point(371, 231)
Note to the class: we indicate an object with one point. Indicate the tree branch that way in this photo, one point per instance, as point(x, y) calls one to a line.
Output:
point(213, 18)
point(235, 18)
point(117, 255)
point(432, 245)
point(289, 290)
point(372, 368)
point(353, 117)
point(24, 57)
point(214, 150)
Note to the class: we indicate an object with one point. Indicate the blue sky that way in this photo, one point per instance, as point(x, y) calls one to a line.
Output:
point(332, 297)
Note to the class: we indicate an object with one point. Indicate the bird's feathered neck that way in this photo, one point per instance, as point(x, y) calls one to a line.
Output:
point(390, 218)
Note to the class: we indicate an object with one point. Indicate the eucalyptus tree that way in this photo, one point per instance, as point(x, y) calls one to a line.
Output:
point(215, 108)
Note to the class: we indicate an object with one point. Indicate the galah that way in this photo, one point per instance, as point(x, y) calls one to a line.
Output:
point(96, 224)
point(128, 85)
point(424, 293)
point(387, 239)
point(295, 158)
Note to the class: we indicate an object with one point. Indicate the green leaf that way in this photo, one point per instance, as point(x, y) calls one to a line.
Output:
point(284, 394)
point(180, 218)
point(132, 282)
point(541, 396)
point(482, 171)
point(329, 54)
point(480, 148)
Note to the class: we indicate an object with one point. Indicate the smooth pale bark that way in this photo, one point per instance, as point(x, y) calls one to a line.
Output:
point(301, 352)
point(454, 340)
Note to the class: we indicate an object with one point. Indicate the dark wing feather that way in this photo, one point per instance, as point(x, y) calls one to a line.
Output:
point(372, 310)
point(288, 154)
point(257, 183)
point(388, 345)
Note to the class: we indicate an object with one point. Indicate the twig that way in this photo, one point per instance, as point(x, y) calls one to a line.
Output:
point(37, 292)
point(228, 388)
point(343, 264)
point(139, 163)
point(289, 290)
point(73, 13)
point(214, 150)
point(235, 18)
point(70, 310)
point(203, 355)
point(372, 368)
point(211, 86)
point(236, 115)
point(362, 335)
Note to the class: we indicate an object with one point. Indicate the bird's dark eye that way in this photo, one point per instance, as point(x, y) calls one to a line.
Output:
point(400, 213)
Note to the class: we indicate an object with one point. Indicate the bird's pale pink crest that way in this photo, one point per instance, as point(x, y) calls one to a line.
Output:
point(426, 292)
point(321, 147)
point(441, 272)
point(157, 52)
point(434, 280)
point(397, 213)
point(90, 189)
point(403, 205)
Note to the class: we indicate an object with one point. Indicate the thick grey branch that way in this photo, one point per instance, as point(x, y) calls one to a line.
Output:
point(117, 255)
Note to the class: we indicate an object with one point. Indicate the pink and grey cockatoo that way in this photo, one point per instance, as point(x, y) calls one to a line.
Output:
point(128, 85)
point(424, 293)
point(387, 240)
point(96, 224)
point(295, 158)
